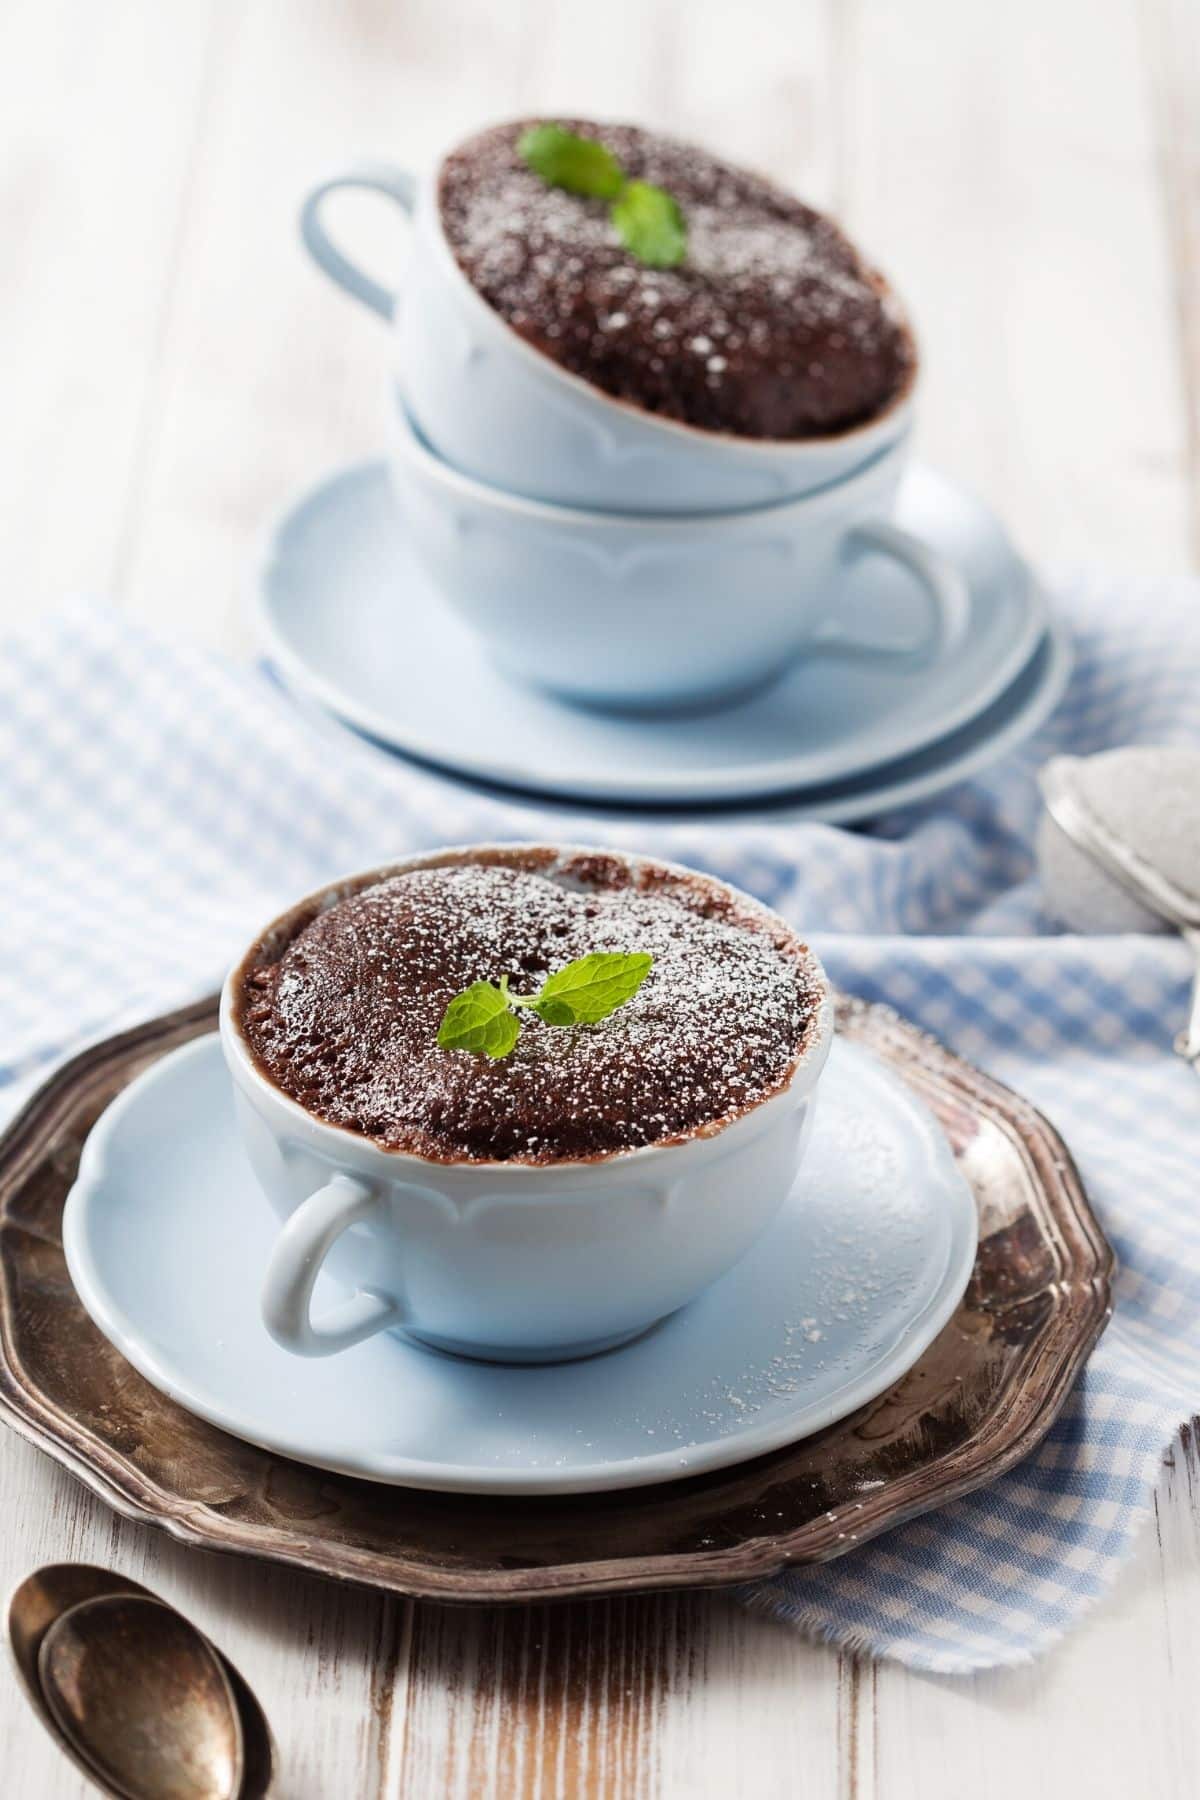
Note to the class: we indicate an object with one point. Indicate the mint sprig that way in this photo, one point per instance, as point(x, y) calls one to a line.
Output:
point(647, 219)
point(483, 1018)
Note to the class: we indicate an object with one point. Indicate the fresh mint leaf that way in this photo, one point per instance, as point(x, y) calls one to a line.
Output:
point(483, 1018)
point(592, 987)
point(479, 1020)
point(650, 225)
point(581, 165)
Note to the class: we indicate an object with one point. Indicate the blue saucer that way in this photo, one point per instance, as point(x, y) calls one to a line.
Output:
point(349, 621)
point(167, 1237)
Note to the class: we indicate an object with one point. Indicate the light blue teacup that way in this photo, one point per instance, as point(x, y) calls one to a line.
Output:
point(497, 409)
point(510, 1261)
point(637, 612)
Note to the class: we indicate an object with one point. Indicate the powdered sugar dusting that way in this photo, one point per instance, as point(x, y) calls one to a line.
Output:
point(772, 327)
point(344, 1016)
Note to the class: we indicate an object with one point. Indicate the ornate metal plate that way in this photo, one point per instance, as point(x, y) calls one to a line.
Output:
point(978, 1400)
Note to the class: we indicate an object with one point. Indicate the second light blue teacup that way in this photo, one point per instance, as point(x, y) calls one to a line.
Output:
point(632, 611)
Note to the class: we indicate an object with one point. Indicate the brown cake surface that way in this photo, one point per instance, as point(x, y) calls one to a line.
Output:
point(342, 1011)
point(772, 327)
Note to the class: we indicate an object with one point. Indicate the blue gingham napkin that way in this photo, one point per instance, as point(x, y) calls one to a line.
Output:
point(156, 806)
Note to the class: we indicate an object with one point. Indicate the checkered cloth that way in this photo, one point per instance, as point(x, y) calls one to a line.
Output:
point(158, 805)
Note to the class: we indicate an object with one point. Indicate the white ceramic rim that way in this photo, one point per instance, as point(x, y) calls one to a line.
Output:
point(648, 1471)
point(883, 425)
point(838, 494)
point(775, 783)
point(340, 1144)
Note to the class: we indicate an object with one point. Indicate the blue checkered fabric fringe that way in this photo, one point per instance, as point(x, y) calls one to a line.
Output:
point(157, 805)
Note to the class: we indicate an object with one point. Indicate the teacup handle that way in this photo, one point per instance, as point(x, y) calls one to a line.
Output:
point(945, 589)
point(296, 1260)
point(376, 178)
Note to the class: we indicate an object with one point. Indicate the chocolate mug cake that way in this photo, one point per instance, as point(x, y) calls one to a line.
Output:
point(771, 326)
point(343, 1013)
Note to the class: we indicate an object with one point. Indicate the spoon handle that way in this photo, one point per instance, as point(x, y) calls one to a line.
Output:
point(1187, 1044)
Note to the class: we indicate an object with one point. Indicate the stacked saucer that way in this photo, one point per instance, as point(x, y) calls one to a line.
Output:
point(347, 616)
point(603, 551)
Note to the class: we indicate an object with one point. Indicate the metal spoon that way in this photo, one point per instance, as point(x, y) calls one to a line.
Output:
point(1132, 873)
point(136, 1695)
point(142, 1697)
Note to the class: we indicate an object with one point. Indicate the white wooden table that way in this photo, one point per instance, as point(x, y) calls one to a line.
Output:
point(174, 371)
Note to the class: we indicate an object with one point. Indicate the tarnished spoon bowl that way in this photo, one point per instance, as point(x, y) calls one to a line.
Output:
point(141, 1696)
point(139, 1699)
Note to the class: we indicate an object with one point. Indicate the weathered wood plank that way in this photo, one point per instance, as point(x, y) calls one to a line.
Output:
point(634, 1699)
